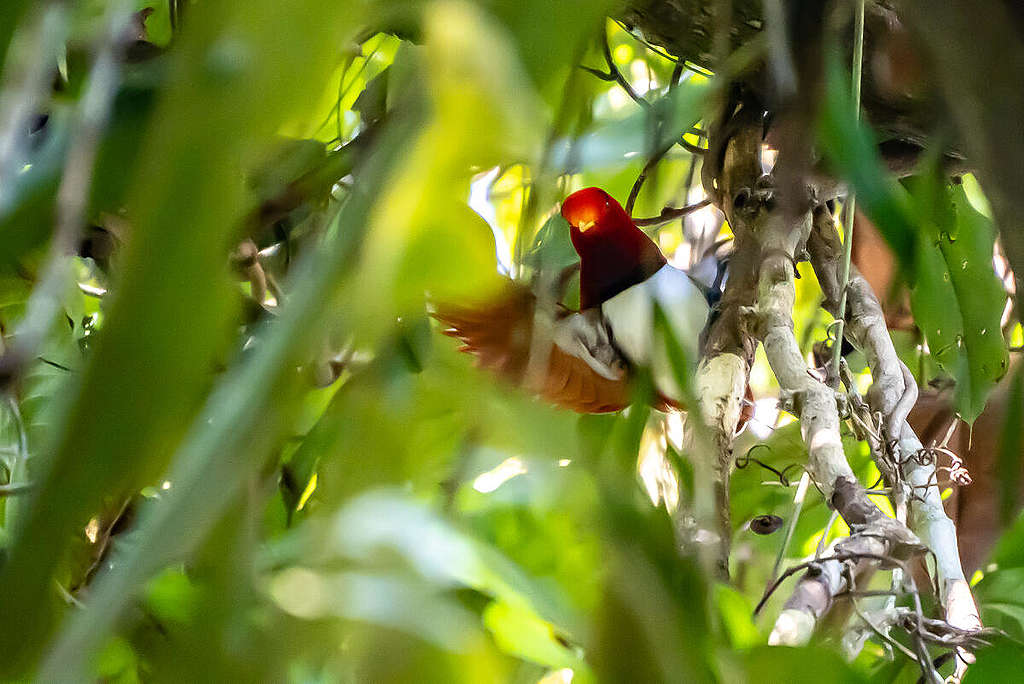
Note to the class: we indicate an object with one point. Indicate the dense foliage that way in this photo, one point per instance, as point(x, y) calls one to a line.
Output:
point(235, 446)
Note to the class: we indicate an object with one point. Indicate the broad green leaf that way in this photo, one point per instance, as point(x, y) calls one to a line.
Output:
point(424, 236)
point(933, 301)
point(980, 296)
point(548, 36)
point(997, 663)
point(999, 598)
point(1009, 551)
point(385, 599)
point(380, 527)
point(957, 299)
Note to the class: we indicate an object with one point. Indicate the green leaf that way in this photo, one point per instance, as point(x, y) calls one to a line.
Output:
point(393, 600)
point(998, 663)
point(10, 15)
point(172, 312)
point(117, 662)
point(812, 665)
point(933, 301)
point(172, 597)
point(1009, 551)
point(980, 296)
point(999, 598)
point(941, 242)
point(957, 298)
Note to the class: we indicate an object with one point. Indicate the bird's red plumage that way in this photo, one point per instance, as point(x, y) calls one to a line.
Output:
point(614, 256)
point(614, 253)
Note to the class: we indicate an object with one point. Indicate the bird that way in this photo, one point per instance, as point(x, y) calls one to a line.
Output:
point(594, 353)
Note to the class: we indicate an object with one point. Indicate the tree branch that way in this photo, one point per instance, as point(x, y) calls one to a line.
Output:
point(672, 213)
point(891, 386)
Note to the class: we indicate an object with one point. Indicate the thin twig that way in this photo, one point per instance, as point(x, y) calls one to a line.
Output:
point(746, 459)
point(672, 213)
point(613, 74)
point(691, 148)
point(823, 542)
point(885, 637)
point(794, 517)
point(838, 557)
point(850, 207)
point(660, 52)
point(635, 190)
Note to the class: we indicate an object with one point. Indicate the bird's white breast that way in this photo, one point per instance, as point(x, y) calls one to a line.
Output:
point(630, 316)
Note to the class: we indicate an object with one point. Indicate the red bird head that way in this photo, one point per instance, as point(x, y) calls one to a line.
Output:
point(614, 253)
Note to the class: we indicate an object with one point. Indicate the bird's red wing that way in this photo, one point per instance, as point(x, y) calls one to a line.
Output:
point(499, 335)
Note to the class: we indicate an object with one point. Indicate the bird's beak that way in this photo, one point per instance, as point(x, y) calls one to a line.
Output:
point(584, 226)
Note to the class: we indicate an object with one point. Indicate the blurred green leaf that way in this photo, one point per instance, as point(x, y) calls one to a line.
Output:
point(172, 597)
point(1009, 551)
point(521, 632)
point(229, 65)
point(736, 612)
point(552, 250)
point(10, 14)
point(615, 143)
point(810, 665)
point(206, 472)
point(1010, 450)
point(117, 662)
point(388, 600)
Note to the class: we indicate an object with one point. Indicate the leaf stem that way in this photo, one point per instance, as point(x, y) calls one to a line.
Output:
point(850, 206)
